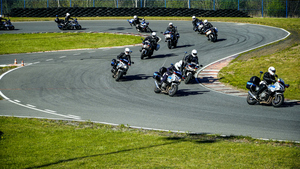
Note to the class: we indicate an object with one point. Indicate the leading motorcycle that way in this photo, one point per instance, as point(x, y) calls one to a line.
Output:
point(7, 25)
point(121, 68)
point(172, 83)
point(70, 25)
point(212, 34)
point(272, 95)
point(142, 27)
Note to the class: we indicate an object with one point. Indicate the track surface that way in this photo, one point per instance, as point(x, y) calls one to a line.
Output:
point(78, 84)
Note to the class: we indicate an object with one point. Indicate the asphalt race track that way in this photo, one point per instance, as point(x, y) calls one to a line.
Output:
point(78, 84)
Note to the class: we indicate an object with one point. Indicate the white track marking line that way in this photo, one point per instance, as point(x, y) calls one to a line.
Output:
point(49, 60)
point(62, 57)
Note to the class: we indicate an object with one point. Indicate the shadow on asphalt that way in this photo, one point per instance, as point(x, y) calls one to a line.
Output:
point(134, 77)
point(188, 92)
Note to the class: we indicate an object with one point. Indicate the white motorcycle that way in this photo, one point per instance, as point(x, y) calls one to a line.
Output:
point(172, 83)
point(272, 95)
point(212, 34)
point(121, 68)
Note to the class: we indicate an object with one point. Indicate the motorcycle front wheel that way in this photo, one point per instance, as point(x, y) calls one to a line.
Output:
point(169, 44)
point(277, 100)
point(78, 27)
point(251, 100)
point(142, 55)
point(172, 90)
point(119, 76)
point(188, 78)
point(148, 30)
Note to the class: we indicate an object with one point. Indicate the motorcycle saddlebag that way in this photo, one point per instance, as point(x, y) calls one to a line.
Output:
point(254, 81)
point(113, 62)
point(156, 75)
point(157, 47)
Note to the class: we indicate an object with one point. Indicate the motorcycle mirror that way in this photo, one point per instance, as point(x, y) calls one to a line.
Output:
point(201, 65)
point(276, 76)
point(132, 62)
point(261, 72)
point(287, 85)
point(161, 32)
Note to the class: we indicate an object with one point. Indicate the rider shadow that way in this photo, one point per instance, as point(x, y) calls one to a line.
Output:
point(118, 28)
point(161, 56)
point(184, 46)
point(220, 40)
point(289, 104)
point(188, 92)
point(127, 78)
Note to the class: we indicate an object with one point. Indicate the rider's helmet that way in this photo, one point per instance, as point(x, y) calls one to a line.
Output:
point(194, 17)
point(0, 16)
point(153, 34)
point(194, 53)
point(205, 22)
point(271, 70)
point(171, 24)
point(127, 51)
point(134, 16)
point(178, 65)
point(67, 14)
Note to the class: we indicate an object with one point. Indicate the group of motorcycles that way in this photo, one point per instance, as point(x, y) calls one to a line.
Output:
point(211, 33)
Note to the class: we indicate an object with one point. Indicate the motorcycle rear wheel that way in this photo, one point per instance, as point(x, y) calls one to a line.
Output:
point(172, 91)
point(251, 100)
point(278, 100)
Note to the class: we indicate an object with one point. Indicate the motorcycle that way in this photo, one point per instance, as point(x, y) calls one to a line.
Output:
point(121, 68)
point(212, 34)
point(70, 25)
point(189, 72)
point(272, 95)
point(7, 25)
point(147, 49)
point(172, 83)
point(142, 27)
point(171, 38)
point(200, 27)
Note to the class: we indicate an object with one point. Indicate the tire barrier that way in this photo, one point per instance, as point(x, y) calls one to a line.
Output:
point(103, 11)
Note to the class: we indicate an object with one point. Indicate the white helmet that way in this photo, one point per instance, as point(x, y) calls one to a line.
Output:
point(153, 34)
point(271, 70)
point(134, 16)
point(0, 16)
point(205, 21)
point(170, 24)
point(127, 51)
point(67, 14)
point(178, 65)
point(194, 17)
point(194, 53)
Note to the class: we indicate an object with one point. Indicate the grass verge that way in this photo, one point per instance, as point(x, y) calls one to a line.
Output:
point(34, 143)
point(23, 43)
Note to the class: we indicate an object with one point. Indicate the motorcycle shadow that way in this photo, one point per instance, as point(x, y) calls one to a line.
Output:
point(161, 56)
point(184, 46)
point(220, 40)
point(188, 92)
point(284, 104)
point(118, 28)
point(127, 78)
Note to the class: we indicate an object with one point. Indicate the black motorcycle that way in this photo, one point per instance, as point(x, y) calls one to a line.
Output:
point(67, 26)
point(7, 25)
point(272, 95)
point(121, 68)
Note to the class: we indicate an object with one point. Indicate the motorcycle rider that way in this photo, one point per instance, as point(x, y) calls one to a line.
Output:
point(1, 20)
point(173, 29)
point(269, 78)
point(194, 22)
point(191, 58)
point(136, 21)
point(67, 18)
point(207, 25)
point(122, 55)
point(153, 40)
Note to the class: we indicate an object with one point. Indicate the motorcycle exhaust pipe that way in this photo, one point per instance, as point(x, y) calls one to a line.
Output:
point(252, 95)
point(156, 84)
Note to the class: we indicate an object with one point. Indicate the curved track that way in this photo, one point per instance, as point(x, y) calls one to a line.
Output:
point(78, 84)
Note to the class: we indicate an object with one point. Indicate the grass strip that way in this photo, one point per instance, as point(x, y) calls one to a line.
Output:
point(23, 43)
point(34, 143)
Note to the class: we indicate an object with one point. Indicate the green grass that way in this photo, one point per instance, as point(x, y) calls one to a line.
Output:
point(30, 143)
point(23, 43)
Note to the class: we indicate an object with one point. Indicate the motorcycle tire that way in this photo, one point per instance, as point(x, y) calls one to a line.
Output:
point(214, 39)
point(251, 100)
point(188, 78)
point(11, 28)
point(278, 100)
point(149, 30)
point(142, 55)
point(169, 45)
point(119, 76)
point(172, 90)
point(78, 27)
point(156, 90)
